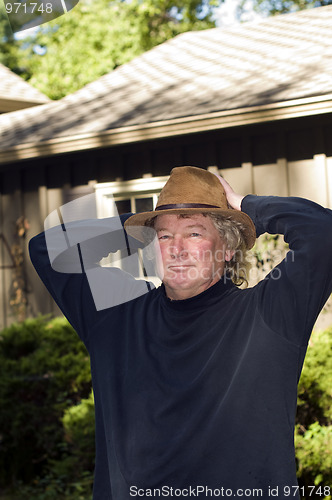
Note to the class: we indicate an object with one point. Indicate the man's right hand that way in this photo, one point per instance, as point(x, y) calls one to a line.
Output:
point(234, 199)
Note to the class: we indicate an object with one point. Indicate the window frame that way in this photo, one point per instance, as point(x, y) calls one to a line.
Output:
point(124, 190)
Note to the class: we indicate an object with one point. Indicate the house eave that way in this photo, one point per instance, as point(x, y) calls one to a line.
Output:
point(170, 128)
point(8, 105)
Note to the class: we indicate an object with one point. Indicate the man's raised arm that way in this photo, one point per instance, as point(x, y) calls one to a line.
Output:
point(295, 291)
point(66, 259)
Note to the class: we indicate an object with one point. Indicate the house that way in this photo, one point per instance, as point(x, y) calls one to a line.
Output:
point(253, 100)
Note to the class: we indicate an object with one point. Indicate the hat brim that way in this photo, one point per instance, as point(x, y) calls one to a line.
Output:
point(135, 224)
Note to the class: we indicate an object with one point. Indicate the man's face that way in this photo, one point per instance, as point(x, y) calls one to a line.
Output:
point(192, 253)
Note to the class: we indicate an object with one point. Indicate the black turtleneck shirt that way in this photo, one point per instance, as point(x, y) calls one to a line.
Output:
point(197, 397)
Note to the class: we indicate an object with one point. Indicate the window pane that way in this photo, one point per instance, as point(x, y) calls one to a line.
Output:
point(144, 204)
point(123, 206)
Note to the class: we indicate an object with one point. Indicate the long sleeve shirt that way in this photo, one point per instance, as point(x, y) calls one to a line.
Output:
point(197, 397)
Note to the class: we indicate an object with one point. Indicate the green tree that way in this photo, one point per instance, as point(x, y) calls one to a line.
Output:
point(273, 7)
point(99, 35)
point(10, 54)
point(164, 19)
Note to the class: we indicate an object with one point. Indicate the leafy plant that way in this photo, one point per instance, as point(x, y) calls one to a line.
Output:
point(313, 436)
point(47, 413)
point(44, 369)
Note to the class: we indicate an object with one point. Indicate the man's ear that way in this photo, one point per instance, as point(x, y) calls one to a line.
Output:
point(229, 254)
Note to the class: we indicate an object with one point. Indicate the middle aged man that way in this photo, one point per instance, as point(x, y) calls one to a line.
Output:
point(195, 381)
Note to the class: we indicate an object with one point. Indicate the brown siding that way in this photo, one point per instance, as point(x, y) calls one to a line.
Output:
point(258, 158)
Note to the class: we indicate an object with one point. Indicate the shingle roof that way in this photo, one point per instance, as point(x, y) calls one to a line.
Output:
point(259, 63)
point(15, 93)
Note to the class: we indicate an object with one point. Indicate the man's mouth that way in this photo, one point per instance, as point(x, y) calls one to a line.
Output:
point(179, 267)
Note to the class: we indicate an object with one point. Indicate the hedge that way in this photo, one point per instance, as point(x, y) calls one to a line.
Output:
point(313, 435)
point(44, 369)
point(47, 412)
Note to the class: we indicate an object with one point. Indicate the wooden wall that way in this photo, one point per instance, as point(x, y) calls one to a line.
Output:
point(288, 159)
point(311, 178)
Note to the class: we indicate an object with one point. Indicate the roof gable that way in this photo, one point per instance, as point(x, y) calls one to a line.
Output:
point(15, 93)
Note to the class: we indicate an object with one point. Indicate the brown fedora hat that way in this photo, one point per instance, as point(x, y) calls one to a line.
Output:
point(191, 190)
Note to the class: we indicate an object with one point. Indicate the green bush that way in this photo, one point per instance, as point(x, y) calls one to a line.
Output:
point(52, 487)
point(79, 425)
point(315, 386)
point(313, 451)
point(44, 369)
point(71, 476)
point(47, 412)
point(76, 465)
point(313, 436)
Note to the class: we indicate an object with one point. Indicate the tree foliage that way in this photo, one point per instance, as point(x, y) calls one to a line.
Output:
point(273, 7)
point(10, 54)
point(98, 36)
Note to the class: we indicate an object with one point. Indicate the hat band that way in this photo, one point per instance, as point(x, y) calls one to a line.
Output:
point(185, 205)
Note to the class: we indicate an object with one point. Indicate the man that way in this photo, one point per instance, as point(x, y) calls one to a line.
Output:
point(195, 381)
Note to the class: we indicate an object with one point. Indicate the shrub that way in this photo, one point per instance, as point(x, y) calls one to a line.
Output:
point(71, 476)
point(315, 386)
point(76, 465)
point(313, 436)
point(44, 369)
point(313, 451)
point(47, 416)
point(79, 425)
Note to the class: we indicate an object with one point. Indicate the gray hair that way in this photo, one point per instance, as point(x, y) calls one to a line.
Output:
point(232, 233)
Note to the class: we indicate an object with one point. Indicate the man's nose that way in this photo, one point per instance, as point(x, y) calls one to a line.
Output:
point(178, 248)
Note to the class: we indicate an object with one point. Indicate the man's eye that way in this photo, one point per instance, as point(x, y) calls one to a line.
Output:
point(195, 234)
point(163, 237)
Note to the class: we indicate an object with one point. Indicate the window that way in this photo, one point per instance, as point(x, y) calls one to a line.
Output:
point(139, 195)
